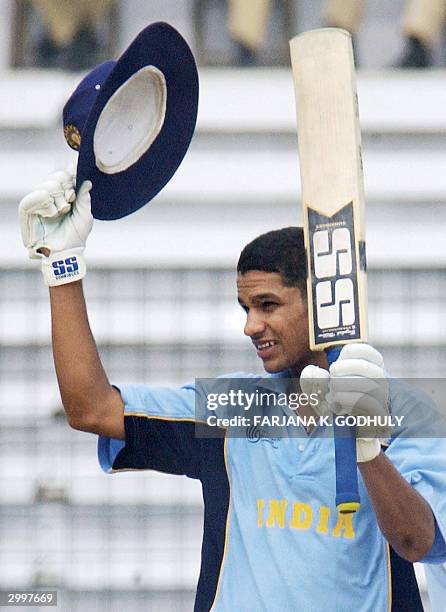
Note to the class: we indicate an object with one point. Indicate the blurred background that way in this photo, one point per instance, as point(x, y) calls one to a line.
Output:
point(160, 286)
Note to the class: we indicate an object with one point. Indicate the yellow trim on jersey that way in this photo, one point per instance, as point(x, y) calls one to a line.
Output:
point(225, 548)
point(143, 415)
point(389, 577)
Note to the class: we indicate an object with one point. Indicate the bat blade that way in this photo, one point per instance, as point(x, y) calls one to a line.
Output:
point(332, 186)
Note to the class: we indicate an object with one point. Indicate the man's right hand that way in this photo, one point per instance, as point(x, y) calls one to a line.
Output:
point(356, 384)
point(55, 224)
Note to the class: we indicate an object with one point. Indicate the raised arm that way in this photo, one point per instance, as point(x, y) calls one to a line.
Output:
point(90, 402)
point(55, 225)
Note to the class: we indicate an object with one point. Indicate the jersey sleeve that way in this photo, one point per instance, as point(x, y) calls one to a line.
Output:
point(422, 460)
point(159, 432)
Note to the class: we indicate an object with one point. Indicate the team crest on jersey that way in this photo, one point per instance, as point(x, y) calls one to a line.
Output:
point(256, 434)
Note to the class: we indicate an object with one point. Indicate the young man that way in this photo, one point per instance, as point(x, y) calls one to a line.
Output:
point(273, 539)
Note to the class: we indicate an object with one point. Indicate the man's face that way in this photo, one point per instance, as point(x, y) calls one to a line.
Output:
point(276, 320)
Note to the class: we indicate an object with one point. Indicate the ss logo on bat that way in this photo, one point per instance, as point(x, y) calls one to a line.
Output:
point(333, 264)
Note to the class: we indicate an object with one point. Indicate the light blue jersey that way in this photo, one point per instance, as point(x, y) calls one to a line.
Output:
point(436, 586)
point(273, 539)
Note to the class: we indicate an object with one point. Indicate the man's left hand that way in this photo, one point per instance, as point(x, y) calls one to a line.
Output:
point(356, 385)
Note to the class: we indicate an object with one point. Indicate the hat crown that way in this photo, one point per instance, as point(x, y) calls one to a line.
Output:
point(82, 100)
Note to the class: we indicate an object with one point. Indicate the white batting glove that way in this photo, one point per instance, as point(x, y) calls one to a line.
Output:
point(355, 385)
point(316, 381)
point(55, 224)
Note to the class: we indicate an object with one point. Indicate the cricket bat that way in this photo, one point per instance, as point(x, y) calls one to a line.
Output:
point(330, 158)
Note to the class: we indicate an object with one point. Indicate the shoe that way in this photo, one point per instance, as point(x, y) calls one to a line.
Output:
point(416, 55)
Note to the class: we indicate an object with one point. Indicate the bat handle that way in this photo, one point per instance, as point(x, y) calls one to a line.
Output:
point(347, 490)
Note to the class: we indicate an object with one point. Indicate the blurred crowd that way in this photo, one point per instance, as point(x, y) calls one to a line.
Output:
point(72, 35)
point(422, 25)
point(65, 34)
point(70, 39)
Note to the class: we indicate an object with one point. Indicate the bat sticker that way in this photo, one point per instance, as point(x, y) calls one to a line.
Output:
point(334, 260)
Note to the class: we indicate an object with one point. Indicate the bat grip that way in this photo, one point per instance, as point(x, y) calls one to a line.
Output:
point(347, 490)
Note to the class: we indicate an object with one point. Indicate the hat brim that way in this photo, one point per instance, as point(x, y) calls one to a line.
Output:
point(117, 195)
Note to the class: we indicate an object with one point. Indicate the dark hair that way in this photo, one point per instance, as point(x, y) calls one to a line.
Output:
point(280, 251)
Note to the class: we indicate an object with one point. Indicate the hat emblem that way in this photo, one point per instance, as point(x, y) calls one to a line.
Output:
point(72, 136)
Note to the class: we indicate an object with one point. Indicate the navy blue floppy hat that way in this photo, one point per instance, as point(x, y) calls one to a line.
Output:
point(132, 121)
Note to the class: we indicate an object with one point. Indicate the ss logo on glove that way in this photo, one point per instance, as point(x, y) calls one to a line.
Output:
point(65, 266)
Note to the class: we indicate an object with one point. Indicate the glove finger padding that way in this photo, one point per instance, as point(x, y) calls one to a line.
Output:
point(356, 367)
point(362, 397)
point(377, 387)
point(373, 413)
point(38, 202)
point(67, 180)
point(359, 387)
point(31, 226)
point(316, 381)
point(361, 351)
point(57, 191)
point(357, 403)
point(36, 212)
